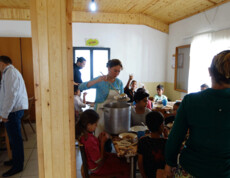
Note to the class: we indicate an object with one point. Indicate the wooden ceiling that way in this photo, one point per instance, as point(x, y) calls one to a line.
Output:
point(155, 13)
point(167, 11)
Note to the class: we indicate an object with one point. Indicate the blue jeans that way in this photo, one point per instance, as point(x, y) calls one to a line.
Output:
point(13, 128)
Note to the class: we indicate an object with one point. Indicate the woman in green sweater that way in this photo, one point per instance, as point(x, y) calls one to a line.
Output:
point(206, 114)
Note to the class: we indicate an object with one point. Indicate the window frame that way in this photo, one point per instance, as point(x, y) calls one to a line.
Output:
point(91, 49)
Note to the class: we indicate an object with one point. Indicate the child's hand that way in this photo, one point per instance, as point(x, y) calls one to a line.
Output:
point(84, 94)
point(103, 137)
point(130, 77)
point(166, 132)
point(169, 171)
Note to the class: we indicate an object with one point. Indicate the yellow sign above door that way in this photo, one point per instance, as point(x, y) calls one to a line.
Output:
point(91, 42)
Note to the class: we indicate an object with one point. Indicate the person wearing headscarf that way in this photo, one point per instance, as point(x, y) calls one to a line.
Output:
point(206, 115)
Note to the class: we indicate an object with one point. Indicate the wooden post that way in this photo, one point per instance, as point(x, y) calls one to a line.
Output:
point(51, 22)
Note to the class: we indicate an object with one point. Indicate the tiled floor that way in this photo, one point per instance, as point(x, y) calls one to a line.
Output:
point(31, 159)
point(31, 163)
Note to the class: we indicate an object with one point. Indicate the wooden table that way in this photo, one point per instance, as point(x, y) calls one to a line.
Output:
point(130, 152)
point(166, 110)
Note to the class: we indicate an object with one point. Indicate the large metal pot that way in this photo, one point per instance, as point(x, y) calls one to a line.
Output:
point(117, 117)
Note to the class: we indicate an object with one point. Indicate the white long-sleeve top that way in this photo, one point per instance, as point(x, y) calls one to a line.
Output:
point(13, 95)
point(78, 103)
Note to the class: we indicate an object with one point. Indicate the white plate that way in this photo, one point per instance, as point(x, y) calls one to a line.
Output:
point(127, 135)
point(138, 128)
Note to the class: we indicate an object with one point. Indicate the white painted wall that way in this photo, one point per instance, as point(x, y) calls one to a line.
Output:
point(181, 32)
point(142, 50)
point(14, 28)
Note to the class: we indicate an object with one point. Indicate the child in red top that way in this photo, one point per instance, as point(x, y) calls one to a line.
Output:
point(99, 162)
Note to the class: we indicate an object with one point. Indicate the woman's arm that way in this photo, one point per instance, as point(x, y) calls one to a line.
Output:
point(99, 79)
point(177, 135)
point(91, 83)
point(140, 165)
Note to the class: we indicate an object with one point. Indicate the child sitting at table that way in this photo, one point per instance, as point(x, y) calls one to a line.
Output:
point(159, 96)
point(139, 110)
point(170, 119)
point(79, 104)
point(151, 148)
point(99, 162)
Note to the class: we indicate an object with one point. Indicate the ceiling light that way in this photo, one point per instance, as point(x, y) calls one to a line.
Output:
point(93, 6)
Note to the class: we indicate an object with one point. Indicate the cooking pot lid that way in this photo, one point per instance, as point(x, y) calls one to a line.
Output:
point(117, 105)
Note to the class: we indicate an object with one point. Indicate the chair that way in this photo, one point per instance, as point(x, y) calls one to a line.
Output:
point(84, 167)
point(26, 117)
point(4, 137)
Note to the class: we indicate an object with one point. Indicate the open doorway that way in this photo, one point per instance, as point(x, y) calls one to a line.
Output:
point(19, 50)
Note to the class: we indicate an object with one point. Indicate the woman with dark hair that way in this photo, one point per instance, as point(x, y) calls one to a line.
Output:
point(139, 111)
point(104, 91)
point(207, 116)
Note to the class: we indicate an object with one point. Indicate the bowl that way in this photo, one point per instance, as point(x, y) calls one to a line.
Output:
point(138, 128)
point(127, 135)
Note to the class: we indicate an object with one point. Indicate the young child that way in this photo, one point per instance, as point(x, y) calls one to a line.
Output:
point(203, 87)
point(139, 110)
point(170, 120)
point(130, 91)
point(151, 148)
point(159, 96)
point(99, 162)
point(79, 103)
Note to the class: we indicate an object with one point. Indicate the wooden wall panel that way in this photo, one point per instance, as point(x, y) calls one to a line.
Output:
point(27, 70)
point(11, 47)
point(14, 14)
point(138, 19)
point(37, 91)
point(15, 3)
point(52, 51)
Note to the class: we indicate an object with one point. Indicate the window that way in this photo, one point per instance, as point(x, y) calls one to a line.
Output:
point(182, 68)
point(203, 48)
point(96, 60)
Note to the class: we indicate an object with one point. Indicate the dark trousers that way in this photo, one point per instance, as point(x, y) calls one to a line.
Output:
point(13, 128)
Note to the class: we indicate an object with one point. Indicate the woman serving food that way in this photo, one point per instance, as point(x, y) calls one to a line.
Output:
point(105, 89)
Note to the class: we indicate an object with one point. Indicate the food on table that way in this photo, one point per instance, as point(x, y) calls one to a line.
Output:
point(126, 144)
